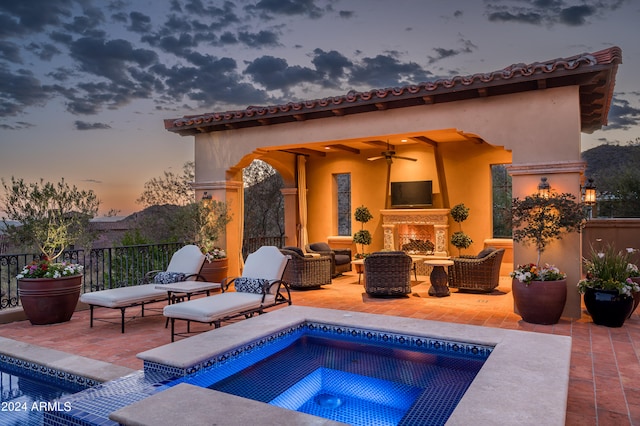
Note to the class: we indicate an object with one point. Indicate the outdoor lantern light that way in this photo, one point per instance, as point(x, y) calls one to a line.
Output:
point(543, 188)
point(590, 192)
point(206, 196)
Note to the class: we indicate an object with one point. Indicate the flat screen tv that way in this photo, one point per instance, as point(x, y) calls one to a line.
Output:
point(411, 195)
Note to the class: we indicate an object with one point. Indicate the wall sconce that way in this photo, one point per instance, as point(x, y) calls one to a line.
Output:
point(590, 192)
point(544, 188)
point(206, 196)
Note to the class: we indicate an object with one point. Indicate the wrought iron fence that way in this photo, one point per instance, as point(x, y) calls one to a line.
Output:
point(110, 267)
point(103, 268)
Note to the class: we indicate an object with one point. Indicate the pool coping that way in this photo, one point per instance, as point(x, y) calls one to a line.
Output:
point(526, 376)
point(57, 361)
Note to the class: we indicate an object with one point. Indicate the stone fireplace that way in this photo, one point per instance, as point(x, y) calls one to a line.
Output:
point(410, 227)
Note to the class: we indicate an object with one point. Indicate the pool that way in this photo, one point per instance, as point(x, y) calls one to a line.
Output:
point(352, 378)
point(524, 371)
point(36, 383)
point(29, 390)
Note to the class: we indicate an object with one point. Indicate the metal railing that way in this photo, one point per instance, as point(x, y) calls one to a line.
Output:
point(110, 267)
point(103, 268)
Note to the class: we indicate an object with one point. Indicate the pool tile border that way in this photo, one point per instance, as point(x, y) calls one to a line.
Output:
point(36, 370)
point(329, 330)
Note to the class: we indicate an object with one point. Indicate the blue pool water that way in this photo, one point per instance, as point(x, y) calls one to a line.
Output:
point(25, 395)
point(350, 381)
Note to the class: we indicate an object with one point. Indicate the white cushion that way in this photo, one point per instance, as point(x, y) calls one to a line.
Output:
point(266, 262)
point(123, 296)
point(209, 309)
point(188, 259)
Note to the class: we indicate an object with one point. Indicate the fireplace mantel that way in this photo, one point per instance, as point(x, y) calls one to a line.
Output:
point(436, 220)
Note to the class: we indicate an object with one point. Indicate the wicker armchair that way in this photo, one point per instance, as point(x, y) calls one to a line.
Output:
point(476, 273)
point(340, 258)
point(306, 272)
point(388, 273)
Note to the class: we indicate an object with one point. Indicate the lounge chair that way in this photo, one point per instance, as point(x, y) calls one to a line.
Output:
point(185, 265)
point(259, 287)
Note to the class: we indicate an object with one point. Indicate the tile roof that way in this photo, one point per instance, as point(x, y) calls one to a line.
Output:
point(593, 72)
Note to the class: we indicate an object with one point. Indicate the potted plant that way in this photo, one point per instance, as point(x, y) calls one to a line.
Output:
point(363, 236)
point(540, 292)
point(50, 217)
point(211, 218)
point(460, 240)
point(609, 286)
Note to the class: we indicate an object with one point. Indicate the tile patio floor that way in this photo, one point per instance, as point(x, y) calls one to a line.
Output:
point(604, 382)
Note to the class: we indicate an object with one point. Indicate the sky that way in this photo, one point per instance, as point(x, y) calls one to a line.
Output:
point(86, 84)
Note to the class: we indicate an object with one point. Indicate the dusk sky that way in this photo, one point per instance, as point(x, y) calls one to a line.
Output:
point(85, 84)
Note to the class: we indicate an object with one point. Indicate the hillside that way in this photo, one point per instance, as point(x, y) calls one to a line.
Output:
point(607, 161)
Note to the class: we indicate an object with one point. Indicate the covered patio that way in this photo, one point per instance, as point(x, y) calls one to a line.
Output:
point(604, 382)
point(526, 116)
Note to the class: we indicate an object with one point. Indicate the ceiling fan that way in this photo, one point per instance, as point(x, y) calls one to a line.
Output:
point(389, 155)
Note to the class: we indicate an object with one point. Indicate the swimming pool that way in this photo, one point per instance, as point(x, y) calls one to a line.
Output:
point(28, 390)
point(355, 378)
point(524, 372)
point(47, 378)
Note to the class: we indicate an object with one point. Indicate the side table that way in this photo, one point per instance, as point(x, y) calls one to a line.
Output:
point(439, 277)
point(358, 265)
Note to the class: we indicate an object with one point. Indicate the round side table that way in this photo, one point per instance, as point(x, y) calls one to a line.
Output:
point(439, 277)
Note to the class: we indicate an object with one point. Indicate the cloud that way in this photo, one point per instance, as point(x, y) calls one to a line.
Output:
point(622, 115)
point(442, 53)
point(83, 125)
point(276, 74)
point(19, 90)
point(269, 8)
point(386, 71)
point(18, 125)
point(549, 12)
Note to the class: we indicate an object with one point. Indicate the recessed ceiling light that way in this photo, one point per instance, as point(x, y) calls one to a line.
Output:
point(403, 140)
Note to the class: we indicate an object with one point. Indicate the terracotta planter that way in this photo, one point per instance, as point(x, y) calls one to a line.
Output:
point(216, 270)
point(607, 307)
point(49, 300)
point(540, 302)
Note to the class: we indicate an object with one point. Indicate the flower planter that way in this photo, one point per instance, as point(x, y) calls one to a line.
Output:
point(49, 300)
point(607, 307)
point(216, 270)
point(540, 302)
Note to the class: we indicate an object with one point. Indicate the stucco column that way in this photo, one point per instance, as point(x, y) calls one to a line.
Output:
point(230, 192)
point(565, 253)
point(290, 215)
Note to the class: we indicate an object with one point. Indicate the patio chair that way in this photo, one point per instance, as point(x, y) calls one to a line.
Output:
point(340, 258)
point(185, 265)
point(305, 271)
point(476, 273)
point(388, 274)
point(260, 287)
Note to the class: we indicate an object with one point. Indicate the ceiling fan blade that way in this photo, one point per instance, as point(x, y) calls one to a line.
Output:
point(405, 158)
point(375, 158)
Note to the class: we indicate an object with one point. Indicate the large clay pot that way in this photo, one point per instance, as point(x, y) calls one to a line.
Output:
point(607, 307)
point(49, 300)
point(216, 270)
point(540, 302)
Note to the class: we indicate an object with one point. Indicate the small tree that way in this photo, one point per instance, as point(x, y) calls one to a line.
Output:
point(538, 219)
point(49, 216)
point(363, 236)
point(459, 239)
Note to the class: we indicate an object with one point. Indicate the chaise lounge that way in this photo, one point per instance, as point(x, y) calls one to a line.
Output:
point(260, 287)
point(184, 266)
